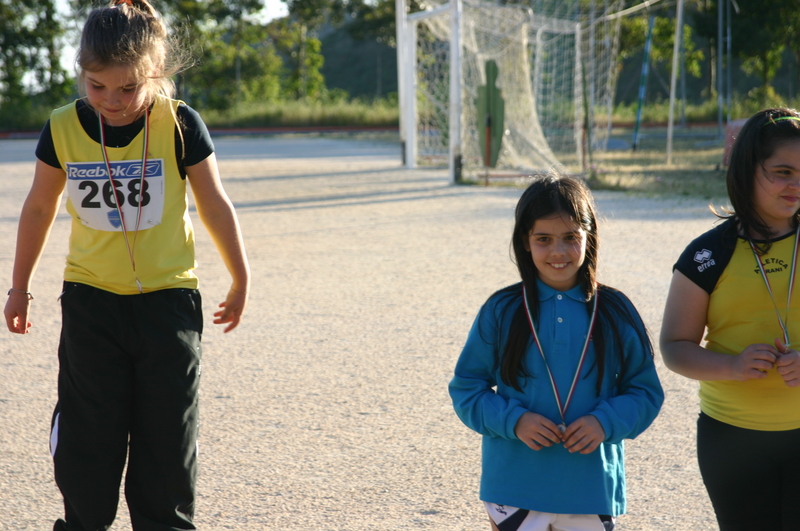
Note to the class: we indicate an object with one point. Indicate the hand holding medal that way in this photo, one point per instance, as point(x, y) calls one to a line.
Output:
point(584, 435)
point(537, 431)
point(753, 362)
point(788, 364)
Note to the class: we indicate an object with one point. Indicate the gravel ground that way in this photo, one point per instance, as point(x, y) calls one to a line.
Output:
point(327, 409)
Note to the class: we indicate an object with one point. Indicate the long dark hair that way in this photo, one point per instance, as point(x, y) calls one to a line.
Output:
point(757, 141)
point(546, 197)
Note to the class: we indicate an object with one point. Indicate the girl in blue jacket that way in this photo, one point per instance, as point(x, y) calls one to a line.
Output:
point(557, 370)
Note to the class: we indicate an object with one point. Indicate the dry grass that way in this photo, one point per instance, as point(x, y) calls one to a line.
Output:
point(695, 170)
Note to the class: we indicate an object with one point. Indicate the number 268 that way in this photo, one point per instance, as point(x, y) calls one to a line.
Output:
point(108, 195)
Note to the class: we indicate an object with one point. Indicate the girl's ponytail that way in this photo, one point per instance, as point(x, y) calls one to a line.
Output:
point(141, 5)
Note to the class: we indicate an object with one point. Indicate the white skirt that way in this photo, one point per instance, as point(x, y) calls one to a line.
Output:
point(508, 518)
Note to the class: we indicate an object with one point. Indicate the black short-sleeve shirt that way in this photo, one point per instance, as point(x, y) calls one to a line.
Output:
point(192, 142)
point(704, 260)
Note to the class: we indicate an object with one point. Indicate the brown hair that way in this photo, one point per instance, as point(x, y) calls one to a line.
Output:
point(757, 141)
point(130, 33)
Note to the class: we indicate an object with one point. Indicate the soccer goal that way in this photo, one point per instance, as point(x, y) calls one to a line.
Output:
point(556, 73)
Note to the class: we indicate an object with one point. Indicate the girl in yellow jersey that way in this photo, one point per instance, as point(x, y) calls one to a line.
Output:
point(732, 323)
point(129, 353)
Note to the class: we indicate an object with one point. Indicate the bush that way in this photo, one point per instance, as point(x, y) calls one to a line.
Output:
point(333, 112)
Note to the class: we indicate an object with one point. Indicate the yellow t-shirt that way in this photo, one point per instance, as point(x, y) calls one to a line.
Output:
point(741, 313)
point(163, 246)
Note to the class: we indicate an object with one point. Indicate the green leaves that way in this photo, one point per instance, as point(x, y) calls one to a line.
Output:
point(234, 68)
point(302, 55)
point(634, 30)
point(30, 54)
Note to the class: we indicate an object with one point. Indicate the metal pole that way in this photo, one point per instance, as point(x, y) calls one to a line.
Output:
point(578, 94)
point(730, 81)
point(455, 92)
point(674, 79)
point(379, 74)
point(611, 86)
point(720, 8)
point(411, 93)
point(400, 25)
point(643, 81)
point(683, 83)
point(591, 68)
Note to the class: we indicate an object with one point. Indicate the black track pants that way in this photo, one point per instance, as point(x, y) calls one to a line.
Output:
point(752, 476)
point(129, 371)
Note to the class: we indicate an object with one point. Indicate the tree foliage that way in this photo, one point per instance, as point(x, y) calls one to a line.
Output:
point(377, 20)
point(634, 34)
point(238, 60)
point(760, 31)
point(312, 13)
point(235, 60)
point(789, 12)
point(777, 24)
point(30, 56)
point(234, 68)
point(242, 61)
point(302, 54)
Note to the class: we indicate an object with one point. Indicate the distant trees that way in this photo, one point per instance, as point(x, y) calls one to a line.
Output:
point(30, 53)
point(240, 60)
point(375, 20)
point(236, 59)
point(634, 30)
point(235, 65)
point(761, 31)
point(303, 59)
point(764, 29)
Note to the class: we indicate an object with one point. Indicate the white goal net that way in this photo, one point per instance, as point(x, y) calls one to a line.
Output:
point(556, 64)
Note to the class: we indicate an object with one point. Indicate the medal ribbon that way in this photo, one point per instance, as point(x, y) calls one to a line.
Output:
point(562, 409)
point(781, 321)
point(131, 248)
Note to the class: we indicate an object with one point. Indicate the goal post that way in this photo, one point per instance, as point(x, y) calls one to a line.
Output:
point(455, 159)
point(547, 65)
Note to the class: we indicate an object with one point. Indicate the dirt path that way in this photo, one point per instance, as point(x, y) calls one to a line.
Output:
point(328, 408)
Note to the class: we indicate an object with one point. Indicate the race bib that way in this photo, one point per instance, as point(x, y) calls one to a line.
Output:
point(95, 201)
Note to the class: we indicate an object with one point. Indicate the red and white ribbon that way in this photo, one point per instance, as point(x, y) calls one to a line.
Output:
point(131, 248)
point(562, 406)
point(781, 321)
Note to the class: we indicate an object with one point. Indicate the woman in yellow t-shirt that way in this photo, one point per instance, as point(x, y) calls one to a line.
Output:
point(730, 321)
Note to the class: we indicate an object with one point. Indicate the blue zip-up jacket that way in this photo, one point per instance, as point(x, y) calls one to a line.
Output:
point(552, 479)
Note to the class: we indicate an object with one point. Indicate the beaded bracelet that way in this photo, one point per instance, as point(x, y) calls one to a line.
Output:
point(28, 293)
